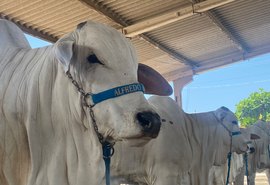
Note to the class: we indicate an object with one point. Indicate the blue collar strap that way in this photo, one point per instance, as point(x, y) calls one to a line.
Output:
point(236, 133)
point(116, 92)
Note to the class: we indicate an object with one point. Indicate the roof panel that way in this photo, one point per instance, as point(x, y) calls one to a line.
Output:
point(54, 17)
point(194, 44)
point(210, 41)
point(137, 10)
point(249, 20)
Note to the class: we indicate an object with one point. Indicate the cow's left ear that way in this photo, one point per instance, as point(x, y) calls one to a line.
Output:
point(64, 52)
point(221, 113)
point(254, 136)
point(153, 82)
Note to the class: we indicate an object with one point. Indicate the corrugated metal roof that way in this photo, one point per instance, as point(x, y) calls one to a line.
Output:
point(250, 20)
point(223, 35)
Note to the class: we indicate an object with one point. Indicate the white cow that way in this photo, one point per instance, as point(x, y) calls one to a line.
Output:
point(46, 131)
point(258, 161)
point(187, 147)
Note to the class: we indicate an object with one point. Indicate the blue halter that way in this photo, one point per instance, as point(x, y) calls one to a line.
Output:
point(116, 92)
point(107, 147)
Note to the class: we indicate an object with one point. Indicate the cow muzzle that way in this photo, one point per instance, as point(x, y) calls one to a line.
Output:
point(251, 149)
point(150, 123)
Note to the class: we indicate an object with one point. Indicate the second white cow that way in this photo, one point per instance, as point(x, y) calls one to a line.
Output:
point(187, 147)
point(258, 161)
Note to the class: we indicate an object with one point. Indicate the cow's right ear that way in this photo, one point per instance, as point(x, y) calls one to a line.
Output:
point(64, 52)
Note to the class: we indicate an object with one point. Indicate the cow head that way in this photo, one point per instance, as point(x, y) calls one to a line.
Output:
point(100, 58)
point(240, 142)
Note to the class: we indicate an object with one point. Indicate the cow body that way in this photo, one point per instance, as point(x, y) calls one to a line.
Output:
point(46, 131)
point(183, 153)
point(258, 161)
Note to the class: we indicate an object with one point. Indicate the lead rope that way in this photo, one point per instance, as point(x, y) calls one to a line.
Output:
point(246, 163)
point(107, 148)
point(229, 157)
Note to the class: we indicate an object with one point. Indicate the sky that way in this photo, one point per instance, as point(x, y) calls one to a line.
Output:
point(224, 86)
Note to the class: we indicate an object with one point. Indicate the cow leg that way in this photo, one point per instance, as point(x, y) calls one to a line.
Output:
point(239, 179)
point(252, 179)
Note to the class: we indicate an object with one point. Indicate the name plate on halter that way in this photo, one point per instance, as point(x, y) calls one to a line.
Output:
point(128, 89)
point(116, 92)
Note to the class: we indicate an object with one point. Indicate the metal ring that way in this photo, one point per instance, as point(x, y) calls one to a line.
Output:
point(85, 100)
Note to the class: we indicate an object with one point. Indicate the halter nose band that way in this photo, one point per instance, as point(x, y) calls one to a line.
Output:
point(116, 92)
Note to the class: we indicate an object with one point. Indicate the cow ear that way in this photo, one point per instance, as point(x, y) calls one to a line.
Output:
point(220, 114)
point(64, 52)
point(153, 82)
point(254, 136)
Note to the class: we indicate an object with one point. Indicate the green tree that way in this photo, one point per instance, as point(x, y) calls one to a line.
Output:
point(255, 107)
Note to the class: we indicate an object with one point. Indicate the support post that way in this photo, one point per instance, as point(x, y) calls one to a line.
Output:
point(178, 86)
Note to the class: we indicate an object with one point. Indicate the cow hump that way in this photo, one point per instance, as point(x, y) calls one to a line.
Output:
point(12, 36)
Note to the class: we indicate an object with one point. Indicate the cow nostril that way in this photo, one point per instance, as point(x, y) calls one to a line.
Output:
point(144, 120)
point(252, 150)
point(150, 123)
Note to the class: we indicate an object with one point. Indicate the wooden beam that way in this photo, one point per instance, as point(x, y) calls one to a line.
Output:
point(231, 58)
point(122, 22)
point(178, 73)
point(216, 63)
point(172, 16)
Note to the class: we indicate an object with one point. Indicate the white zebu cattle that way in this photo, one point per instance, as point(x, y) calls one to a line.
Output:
point(46, 132)
point(187, 147)
point(258, 161)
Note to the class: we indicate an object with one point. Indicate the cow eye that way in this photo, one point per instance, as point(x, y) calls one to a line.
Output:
point(234, 122)
point(93, 59)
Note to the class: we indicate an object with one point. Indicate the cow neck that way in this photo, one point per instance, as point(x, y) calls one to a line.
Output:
point(200, 126)
point(204, 128)
point(229, 155)
point(203, 121)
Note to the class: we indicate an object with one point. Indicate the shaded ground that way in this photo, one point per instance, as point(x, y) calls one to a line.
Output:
point(260, 179)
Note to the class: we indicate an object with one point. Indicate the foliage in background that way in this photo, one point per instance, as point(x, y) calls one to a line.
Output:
point(255, 107)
